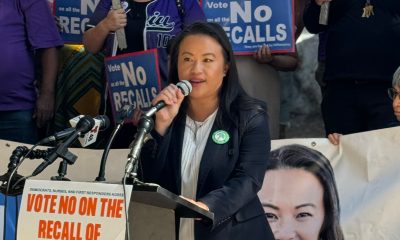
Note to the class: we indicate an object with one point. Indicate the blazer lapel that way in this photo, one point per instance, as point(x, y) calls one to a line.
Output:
point(212, 152)
point(177, 141)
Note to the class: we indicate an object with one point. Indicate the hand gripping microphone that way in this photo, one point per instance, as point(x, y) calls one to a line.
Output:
point(183, 85)
point(145, 125)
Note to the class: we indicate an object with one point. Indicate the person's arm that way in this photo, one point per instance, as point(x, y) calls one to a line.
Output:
point(311, 16)
point(155, 151)
point(247, 177)
point(45, 102)
point(287, 62)
point(44, 38)
point(94, 38)
point(299, 11)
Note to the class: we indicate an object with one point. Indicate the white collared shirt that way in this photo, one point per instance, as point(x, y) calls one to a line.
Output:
point(194, 142)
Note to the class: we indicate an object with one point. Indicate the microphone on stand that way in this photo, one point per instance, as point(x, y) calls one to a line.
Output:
point(57, 136)
point(146, 124)
point(123, 114)
point(101, 122)
point(85, 125)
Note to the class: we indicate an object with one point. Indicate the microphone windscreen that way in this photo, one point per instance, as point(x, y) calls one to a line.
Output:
point(185, 86)
point(104, 121)
point(85, 124)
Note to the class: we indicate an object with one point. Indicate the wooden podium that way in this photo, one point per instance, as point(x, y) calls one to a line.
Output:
point(153, 210)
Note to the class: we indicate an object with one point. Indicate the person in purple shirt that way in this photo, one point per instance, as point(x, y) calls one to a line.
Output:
point(28, 32)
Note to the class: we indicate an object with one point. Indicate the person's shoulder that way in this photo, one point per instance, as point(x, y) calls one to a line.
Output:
point(250, 106)
point(250, 114)
point(247, 102)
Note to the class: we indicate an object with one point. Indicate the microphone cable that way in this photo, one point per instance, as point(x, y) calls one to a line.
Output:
point(18, 165)
point(26, 153)
point(8, 187)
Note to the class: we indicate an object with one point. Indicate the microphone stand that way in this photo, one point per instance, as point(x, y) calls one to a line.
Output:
point(62, 152)
point(100, 177)
point(123, 115)
point(68, 158)
point(146, 124)
point(83, 126)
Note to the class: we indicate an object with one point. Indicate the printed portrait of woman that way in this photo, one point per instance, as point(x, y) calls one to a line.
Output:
point(299, 195)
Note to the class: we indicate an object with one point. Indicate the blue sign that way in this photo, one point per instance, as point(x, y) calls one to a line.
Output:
point(133, 79)
point(250, 24)
point(9, 209)
point(73, 15)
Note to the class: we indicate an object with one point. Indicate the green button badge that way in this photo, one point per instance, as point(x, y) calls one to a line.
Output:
point(220, 137)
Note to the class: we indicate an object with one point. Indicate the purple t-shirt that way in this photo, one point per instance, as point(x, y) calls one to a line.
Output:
point(25, 25)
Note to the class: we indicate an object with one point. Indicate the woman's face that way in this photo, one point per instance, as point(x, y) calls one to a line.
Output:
point(293, 203)
point(396, 104)
point(201, 61)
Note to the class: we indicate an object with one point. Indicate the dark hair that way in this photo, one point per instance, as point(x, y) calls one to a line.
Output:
point(310, 160)
point(231, 90)
point(396, 78)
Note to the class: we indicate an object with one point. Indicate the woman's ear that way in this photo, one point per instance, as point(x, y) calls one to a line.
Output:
point(226, 68)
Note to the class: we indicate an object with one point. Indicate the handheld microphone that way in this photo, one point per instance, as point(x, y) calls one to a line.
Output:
point(183, 85)
point(145, 125)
